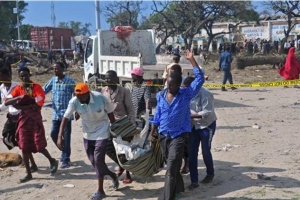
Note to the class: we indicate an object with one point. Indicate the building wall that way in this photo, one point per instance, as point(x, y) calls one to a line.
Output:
point(268, 29)
point(272, 29)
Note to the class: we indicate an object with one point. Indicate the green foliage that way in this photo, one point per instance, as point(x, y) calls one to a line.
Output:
point(63, 25)
point(8, 20)
point(234, 12)
point(291, 9)
point(25, 31)
point(151, 22)
point(77, 27)
point(187, 18)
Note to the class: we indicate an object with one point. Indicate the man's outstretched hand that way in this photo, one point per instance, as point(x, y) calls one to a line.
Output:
point(189, 55)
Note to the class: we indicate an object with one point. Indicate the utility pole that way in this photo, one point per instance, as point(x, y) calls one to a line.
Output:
point(53, 18)
point(97, 10)
point(18, 21)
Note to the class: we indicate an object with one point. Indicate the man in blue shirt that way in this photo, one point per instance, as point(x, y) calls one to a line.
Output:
point(172, 119)
point(225, 62)
point(62, 88)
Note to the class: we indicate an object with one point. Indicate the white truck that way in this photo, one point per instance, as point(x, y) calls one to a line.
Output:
point(24, 45)
point(106, 51)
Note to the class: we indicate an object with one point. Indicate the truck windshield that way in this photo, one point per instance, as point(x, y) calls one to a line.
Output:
point(23, 44)
point(89, 49)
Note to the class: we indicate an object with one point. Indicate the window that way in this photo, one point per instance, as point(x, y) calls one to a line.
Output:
point(89, 49)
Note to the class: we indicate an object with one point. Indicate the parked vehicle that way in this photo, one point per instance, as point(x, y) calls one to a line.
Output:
point(54, 38)
point(111, 52)
point(25, 45)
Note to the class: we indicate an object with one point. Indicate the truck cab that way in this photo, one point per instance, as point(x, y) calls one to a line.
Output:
point(24, 45)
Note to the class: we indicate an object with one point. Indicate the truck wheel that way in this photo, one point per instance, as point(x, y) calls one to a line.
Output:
point(95, 83)
point(92, 82)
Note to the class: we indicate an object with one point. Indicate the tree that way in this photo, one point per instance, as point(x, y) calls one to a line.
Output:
point(63, 25)
point(167, 22)
point(235, 12)
point(291, 10)
point(122, 13)
point(85, 29)
point(181, 17)
point(187, 18)
point(77, 27)
point(194, 15)
point(25, 31)
point(8, 20)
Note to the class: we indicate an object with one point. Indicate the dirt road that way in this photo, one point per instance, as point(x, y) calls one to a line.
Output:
point(255, 151)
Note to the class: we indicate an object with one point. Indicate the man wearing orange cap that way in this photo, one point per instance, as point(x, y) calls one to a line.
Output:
point(96, 112)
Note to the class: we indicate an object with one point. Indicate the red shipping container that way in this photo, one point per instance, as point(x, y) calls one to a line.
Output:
point(46, 38)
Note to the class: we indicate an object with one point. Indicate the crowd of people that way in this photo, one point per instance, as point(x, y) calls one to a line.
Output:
point(184, 118)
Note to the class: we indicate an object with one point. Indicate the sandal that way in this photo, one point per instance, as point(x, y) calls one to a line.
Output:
point(127, 180)
point(98, 196)
point(115, 183)
point(25, 179)
point(53, 167)
point(34, 168)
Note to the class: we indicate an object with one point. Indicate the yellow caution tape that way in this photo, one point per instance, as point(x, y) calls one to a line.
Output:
point(242, 85)
point(259, 84)
point(15, 64)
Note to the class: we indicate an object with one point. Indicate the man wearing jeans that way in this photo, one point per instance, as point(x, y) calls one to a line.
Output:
point(204, 125)
point(225, 65)
point(62, 88)
point(172, 116)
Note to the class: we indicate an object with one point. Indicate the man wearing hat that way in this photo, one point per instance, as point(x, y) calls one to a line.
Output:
point(140, 92)
point(176, 59)
point(96, 112)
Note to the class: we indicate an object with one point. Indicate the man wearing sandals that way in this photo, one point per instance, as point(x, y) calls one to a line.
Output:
point(95, 111)
point(172, 116)
point(30, 134)
point(121, 99)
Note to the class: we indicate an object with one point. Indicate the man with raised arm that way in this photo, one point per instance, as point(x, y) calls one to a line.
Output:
point(172, 117)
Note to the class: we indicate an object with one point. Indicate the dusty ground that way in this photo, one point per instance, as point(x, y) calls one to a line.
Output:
point(257, 134)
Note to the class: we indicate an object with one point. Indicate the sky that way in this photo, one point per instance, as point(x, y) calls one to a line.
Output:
point(39, 13)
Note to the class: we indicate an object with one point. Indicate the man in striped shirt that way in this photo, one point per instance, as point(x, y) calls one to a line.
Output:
point(140, 92)
point(62, 88)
